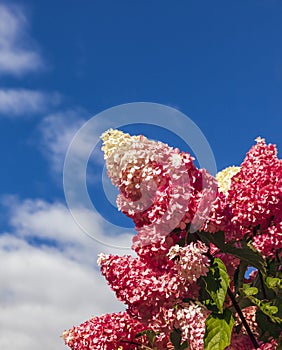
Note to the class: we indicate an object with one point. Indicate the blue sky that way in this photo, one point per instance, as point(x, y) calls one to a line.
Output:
point(61, 63)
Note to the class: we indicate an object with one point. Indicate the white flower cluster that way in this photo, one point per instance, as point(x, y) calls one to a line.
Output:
point(190, 260)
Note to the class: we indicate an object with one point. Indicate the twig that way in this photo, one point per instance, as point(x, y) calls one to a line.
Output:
point(237, 307)
point(262, 285)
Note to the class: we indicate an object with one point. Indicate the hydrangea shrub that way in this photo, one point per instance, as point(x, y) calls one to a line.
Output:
point(187, 288)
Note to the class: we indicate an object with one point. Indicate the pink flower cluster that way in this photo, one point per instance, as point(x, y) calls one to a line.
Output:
point(150, 176)
point(190, 261)
point(191, 322)
point(166, 195)
point(151, 295)
point(255, 199)
point(250, 316)
point(106, 332)
point(160, 188)
point(154, 300)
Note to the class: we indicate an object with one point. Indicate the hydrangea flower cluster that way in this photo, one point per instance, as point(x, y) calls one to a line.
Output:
point(255, 199)
point(186, 278)
point(160, 188)
point(149, 176)
point(151, 295)
point(106, 332)
point(190, 261)
point(191, 322)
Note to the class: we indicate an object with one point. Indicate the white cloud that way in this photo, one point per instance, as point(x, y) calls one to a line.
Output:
point(46, 289)
point(43, 293)
point(18, 54)
point(23, 102)
point(57, 131)
point(53, 223)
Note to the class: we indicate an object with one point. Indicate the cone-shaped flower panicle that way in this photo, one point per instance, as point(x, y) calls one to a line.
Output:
point(141, 288)
point(106, 332)
point(160, 188)
point(150, 175)
point(255, 198)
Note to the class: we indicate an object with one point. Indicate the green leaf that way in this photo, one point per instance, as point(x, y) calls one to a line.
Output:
point(204, 296)
point(246, 253)
point(243, 302)
point(217, 282)
point(273, 283)
point(216, 238)
point(218, 330)
point(248, 291)
point(266, 307)
point(274, 266)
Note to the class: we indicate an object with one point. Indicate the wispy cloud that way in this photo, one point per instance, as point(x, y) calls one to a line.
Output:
point(47, 288)
point(52, 222)
point(57, 130)
point(18, 52)
point(24, 102)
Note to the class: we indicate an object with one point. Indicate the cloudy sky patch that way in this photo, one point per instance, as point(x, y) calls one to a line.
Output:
point(18, 53)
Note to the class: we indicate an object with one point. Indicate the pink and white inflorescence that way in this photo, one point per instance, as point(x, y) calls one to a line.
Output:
point(160, 189)
point(191, 321)
point(152, 179)
point(150, 295)
point(255, 199)
point(190, 261)
point(106, 332)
